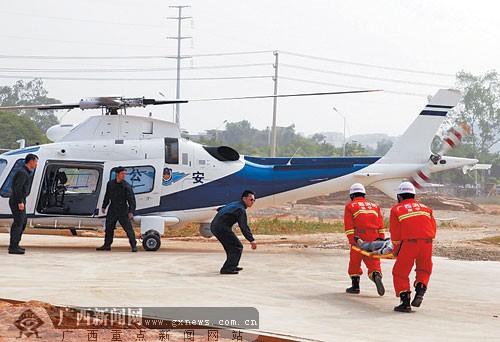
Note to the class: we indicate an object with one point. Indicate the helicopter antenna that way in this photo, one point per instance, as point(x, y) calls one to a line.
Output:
point(289, 162)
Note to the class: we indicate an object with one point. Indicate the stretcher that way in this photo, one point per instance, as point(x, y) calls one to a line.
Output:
point(373, 254)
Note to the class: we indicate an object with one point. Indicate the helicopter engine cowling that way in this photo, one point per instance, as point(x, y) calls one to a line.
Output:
point(57, 132)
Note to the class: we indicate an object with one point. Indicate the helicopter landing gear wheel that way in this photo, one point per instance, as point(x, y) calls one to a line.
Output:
point(151, 241)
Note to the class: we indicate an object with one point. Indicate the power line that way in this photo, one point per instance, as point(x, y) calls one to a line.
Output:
point(368, 65)
point(132, 69)
point(78, 57)
point(132, 79)
point(231, 53)
point(130, 57)
point(73, 19)
point(321, 83)
point(365, 77)
point(110, 70)
point(77, 42)
point(351, 87)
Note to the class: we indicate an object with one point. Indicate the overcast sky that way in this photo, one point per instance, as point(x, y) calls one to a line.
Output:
point(408, 48)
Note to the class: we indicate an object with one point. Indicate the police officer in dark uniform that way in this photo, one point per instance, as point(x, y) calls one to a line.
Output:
point(21, 184)
point(121, 209)
point(221, 227)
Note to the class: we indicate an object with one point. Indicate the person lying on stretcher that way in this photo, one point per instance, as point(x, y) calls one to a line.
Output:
point(378, 247)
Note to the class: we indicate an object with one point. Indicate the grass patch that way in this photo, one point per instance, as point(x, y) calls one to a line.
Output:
point(187, 231)
point(494, 240)
point(269, 227)
point(276, 226)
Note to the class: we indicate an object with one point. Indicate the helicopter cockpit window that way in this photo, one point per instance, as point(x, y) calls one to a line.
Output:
point(6, 189)
point(3, 165)
point(171, 151)
point(140, 177)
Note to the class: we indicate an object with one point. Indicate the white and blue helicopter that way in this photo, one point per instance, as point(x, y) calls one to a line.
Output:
point(177, 181)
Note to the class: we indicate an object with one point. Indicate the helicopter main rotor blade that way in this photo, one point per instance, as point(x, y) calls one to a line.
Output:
point(99, 102)
point(116, 102)
point(162, 102)
point(287, 95)
point(42, 107)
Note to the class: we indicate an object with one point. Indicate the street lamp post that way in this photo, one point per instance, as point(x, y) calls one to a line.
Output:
point(217, 130)
point(343, 117)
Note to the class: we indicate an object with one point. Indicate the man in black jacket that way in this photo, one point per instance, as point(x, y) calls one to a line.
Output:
point(21, 184)
point(222, 228)
point(121, 196)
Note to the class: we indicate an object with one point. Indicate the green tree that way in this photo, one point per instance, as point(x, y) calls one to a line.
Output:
point(14, 127)
point(250, 141)
point(354, 148)
point(480, 110)
point(319, 138)
point(28, 93)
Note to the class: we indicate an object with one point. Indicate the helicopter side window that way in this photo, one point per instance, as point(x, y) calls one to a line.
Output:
point(3, 165)
point(171, 151)
point(6, 189)
point(141, 178)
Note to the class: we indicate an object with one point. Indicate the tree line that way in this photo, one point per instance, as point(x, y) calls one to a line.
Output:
point(31, 124)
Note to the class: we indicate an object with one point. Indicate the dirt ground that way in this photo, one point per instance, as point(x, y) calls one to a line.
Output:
point(463, 225)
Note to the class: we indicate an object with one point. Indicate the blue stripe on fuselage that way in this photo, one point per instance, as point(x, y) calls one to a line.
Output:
point(23, 150)
point(265, 176)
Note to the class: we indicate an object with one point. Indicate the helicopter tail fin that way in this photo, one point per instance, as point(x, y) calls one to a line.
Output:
point(414, 146)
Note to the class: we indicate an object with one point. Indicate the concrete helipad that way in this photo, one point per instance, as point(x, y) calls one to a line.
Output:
point(298, 291)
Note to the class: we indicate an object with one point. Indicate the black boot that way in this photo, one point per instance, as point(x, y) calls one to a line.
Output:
point(377, 279)
point(405, 303)
point(420, 289)
point(355, 285)
point(16, 250)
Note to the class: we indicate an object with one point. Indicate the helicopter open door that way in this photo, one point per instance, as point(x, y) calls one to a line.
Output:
point(145, 177)
point(70, 188)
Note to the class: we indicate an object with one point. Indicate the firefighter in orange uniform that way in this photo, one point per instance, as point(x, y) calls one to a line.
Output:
point(412, 227)
point(363, 219)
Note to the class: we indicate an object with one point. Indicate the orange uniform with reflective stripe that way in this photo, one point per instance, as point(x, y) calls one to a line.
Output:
point(411, 219)
point(412, 228)
point(364, 219)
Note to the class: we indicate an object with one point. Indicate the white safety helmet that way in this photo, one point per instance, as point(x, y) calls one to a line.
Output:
point(406, 188)
point(357, 188)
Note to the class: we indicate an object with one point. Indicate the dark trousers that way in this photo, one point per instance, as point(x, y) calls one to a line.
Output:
point(232, 245)
point(18, 226)
point(111, 219)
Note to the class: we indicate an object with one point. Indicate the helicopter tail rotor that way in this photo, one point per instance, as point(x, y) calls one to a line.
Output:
point(453, 138)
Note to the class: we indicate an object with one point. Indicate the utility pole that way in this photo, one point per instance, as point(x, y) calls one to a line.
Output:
point(275, 104)
point(179, 57)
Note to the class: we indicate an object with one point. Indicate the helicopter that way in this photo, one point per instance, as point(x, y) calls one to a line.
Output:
point(177, 181)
